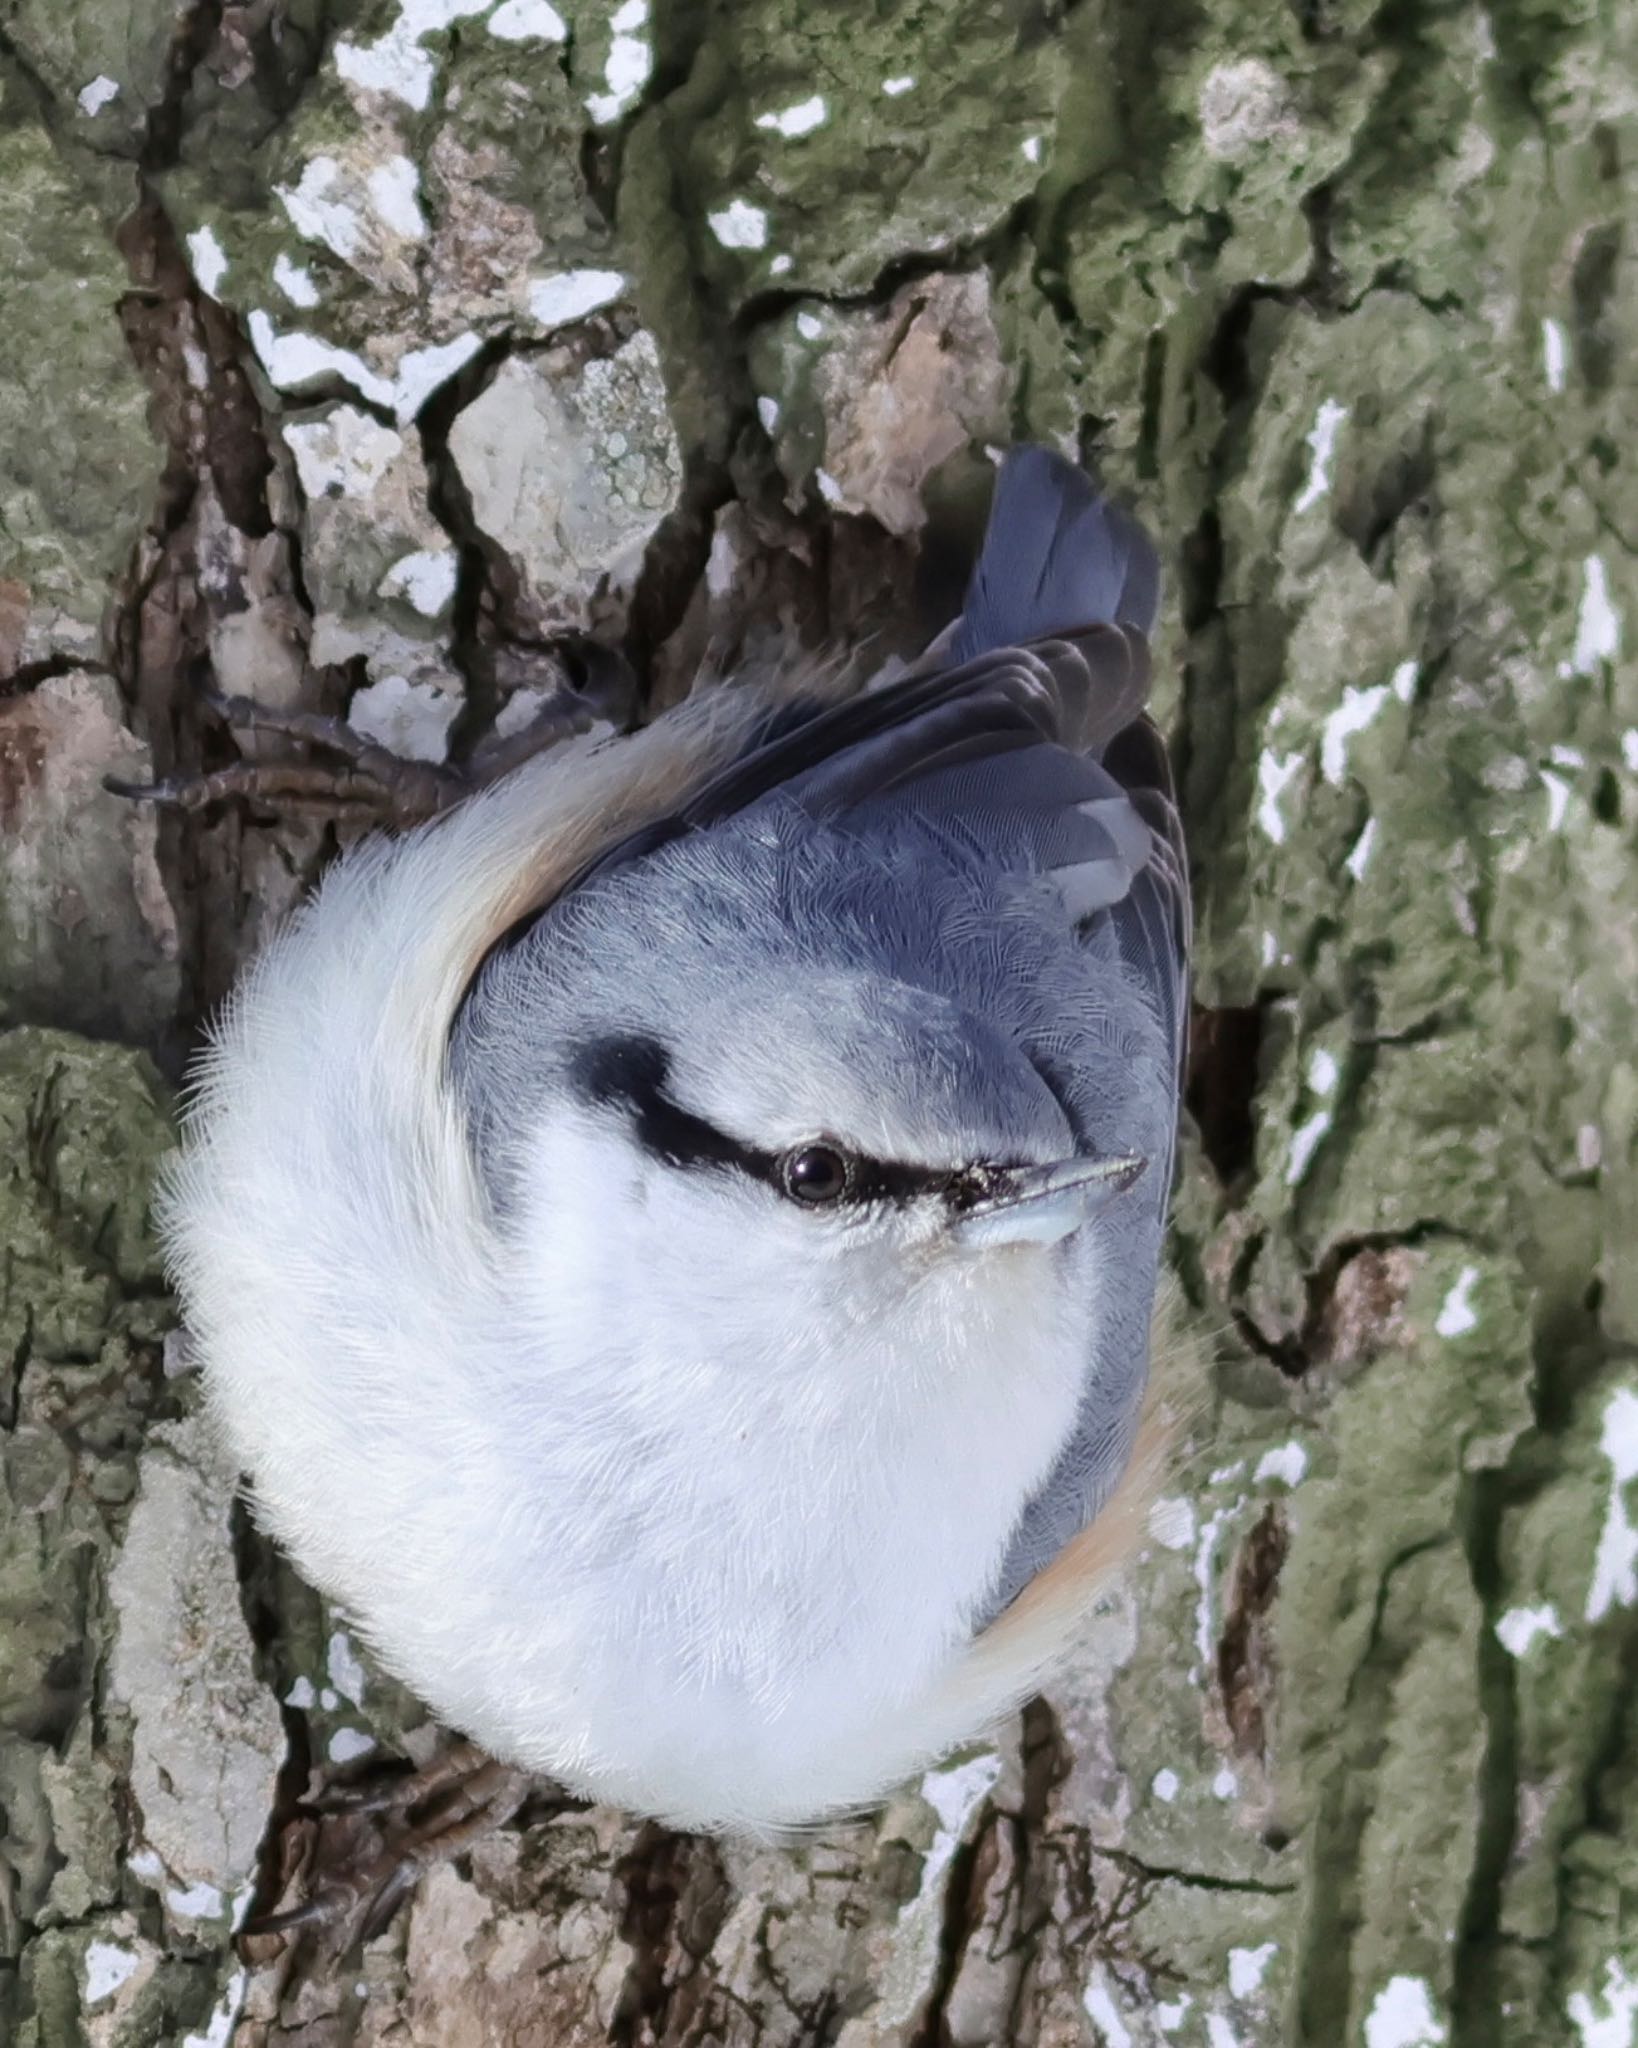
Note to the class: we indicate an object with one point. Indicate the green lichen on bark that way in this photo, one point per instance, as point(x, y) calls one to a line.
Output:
point(1342, 299)
point(79, 465)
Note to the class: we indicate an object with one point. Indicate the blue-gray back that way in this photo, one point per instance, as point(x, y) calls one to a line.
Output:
point(997, 826)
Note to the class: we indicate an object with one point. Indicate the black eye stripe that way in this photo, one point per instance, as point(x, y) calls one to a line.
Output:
point(632, 1072)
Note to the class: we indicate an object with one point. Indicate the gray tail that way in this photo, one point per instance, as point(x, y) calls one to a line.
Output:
point(1056, 558)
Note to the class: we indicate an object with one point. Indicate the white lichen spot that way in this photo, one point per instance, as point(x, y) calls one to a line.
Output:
point(1225, 1784)
point(895, 88)
point(208, 257)
point(1617, 2024)
point(1322, 1071)
point(1322, 443)
point(412, 719)
point(1165, 1785)
point(519, 21)
point(199, 1901)
point(426, 580)
point(809, 326)
point(1171, 1522)
point(346, 1672)
point(1403, 681)
point(1219, 2034)
point(345, 454)
point(295, 280)
point(424, 369)
point(1247, 1966)
point(1171, 2013)
point(329, 1698)
point(1243, 106)
point(1520, 1626)
point(1357, 712)
point(1359, 859)
point(1205, 1575)
point(1103, 2012)
point(767, 411)
point(107, 1967)
point(1567, 757)
point(1558, 798)
point(1553, 354)
point(302, 1695)
point(829, 489)
point(1274, 773)
point(347, 1745)
point(954, 1795)
point(1304, 1144)
point(97, 95)
point(1402, 2017)
point(1031, 148)
point(316, 215)
point(781, 265)
point(1629, 748)
point(1287, 1462)
point(219, 2028)
point(1589, 1148)
point(395, 63)
point(629, 62)
point(1457, 1315)
point(555, 301)
point(395, 193)
point(292, 360)
point(1598, 623)
point(1614, 1577)
point(1270, 949)
point(801, 119)
point(148, 1865)
point(739, 225)
point(1221, 1475)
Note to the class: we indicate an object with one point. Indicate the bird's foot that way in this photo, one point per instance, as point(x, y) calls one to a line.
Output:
point(362, 780)
point(355, 1853)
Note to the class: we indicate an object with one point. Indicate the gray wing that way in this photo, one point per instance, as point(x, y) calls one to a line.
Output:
point(1024, 730)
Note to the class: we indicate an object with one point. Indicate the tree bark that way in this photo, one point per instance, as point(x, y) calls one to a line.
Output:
point(393, 359)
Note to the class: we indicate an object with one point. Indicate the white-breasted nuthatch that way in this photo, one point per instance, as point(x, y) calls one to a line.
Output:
point(672, 1242)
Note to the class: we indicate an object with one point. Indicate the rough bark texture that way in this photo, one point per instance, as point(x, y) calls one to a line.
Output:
point(355, 354)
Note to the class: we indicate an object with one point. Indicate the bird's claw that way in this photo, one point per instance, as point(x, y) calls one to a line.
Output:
point(357, 1852)
point(365, 781)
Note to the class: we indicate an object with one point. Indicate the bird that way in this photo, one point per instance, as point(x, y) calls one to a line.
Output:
point(672, 1241)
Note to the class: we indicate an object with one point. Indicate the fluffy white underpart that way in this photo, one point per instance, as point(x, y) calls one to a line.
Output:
point(678, 1586)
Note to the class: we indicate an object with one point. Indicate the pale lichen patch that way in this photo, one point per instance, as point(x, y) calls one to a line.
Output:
point(295, 280)
point(1615, 1566)
point(570, 296)
point(99, 93)
point(800, 119)
point(1553, 355)
point(209, 258)
point(1402, 2016)
point(1275, 773)
point(1322, 442)
point(517, 21)
point(1519, 1627)
point(1457, 1315)
point(739, 225)
point(1598, 623)
point(1356, 713)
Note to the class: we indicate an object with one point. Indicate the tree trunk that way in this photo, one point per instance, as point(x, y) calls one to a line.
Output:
point(364, 356)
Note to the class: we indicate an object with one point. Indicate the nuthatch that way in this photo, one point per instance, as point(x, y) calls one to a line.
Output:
point(672, 1241)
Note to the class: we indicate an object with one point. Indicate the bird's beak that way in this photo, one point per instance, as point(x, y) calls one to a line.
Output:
point(1041, 1204)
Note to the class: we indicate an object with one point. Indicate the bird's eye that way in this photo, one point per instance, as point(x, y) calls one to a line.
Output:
point(814, 1173)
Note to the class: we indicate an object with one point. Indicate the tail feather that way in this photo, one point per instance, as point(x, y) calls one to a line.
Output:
point(1056, 558)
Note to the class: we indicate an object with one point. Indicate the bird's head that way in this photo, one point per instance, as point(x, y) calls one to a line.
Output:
point(830, 1161)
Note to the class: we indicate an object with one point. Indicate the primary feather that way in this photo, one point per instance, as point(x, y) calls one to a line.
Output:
point(638, 1474)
